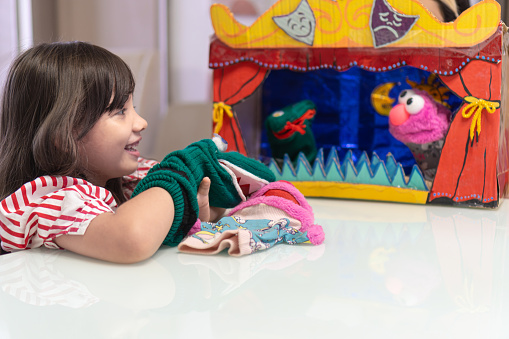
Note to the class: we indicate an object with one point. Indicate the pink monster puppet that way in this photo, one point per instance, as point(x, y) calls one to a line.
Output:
point(421, 124)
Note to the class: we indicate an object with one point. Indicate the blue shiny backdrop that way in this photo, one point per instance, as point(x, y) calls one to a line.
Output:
point(345, 118)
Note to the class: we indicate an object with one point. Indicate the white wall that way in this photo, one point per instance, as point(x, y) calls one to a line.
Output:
point(117, 24)
point(8, 36)
point(189, 38)
point(190, 30)
point(137, 32)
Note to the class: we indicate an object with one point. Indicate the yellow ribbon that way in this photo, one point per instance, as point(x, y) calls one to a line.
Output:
point(217, 115)
point(475, 108)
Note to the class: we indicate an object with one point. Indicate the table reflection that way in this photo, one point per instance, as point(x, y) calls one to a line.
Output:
point(33, 279)
point(44, 277)
point(385, 271)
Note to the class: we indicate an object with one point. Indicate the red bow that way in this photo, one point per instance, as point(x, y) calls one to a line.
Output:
point(295, 126)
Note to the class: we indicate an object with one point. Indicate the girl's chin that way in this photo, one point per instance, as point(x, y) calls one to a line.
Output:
point(131, 166)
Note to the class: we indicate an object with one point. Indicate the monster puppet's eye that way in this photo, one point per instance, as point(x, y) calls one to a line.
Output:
point(414, 104)
point(405, 95)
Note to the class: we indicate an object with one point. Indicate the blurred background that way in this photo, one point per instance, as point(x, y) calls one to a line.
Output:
point(165, 42)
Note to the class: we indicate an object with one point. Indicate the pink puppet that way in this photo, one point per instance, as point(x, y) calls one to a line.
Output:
point(421, 124)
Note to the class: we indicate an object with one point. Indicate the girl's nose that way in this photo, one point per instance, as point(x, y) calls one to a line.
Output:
point(139, 123)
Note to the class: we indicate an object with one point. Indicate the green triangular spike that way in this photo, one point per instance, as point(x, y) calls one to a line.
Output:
point(350, 172)
point(348, 155)
point(303, 169)
point(380, 175)
point(347, 158)
point(333, 171)
point(364, 175)
point(375, 160)
point(288, 172)
point(332, 159)
point(362, 160)
point(416, 180)
point(391, 166)
point(318, 168)
point(399, 178)
point(275, 169)
point(320, 157)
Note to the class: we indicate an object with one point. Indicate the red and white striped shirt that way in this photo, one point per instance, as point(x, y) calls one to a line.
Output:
point(49, 206)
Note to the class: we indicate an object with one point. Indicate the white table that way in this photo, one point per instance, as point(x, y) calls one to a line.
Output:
point(385, 271)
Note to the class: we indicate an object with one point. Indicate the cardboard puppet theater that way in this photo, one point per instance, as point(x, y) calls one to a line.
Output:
point(372, 99)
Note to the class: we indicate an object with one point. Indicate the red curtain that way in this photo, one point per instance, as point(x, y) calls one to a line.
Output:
point(468, 168)
point(232, 84)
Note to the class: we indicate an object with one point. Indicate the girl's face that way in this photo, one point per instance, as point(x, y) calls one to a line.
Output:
point(433, 7)
point(110, 148)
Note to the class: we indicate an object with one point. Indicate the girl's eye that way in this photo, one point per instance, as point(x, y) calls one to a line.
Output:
point(121, 112)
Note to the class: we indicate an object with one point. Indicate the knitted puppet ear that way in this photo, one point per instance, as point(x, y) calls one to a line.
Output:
point(248, 175)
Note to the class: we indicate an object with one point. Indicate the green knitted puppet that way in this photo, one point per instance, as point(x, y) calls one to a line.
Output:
point(233, 177)
point(289, 131)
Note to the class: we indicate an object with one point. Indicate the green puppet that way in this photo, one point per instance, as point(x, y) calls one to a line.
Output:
point(289, 131)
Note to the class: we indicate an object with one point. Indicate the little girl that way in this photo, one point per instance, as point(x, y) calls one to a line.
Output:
point(69, 162)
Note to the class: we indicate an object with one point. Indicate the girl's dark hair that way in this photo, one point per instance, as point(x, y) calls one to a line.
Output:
point(53, 96)
point(448, 13)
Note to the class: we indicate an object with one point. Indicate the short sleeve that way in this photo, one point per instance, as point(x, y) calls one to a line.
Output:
point(129, 182)
point(48, 207)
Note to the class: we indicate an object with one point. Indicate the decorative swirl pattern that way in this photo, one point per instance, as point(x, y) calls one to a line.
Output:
point(345, 23)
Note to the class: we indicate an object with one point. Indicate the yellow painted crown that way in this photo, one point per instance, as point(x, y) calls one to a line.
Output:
point(346, 23)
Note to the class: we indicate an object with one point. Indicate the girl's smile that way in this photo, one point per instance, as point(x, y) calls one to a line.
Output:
point(110, 148)
point(132, 149)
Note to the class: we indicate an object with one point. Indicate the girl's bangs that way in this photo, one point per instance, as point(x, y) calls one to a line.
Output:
point(123, 84)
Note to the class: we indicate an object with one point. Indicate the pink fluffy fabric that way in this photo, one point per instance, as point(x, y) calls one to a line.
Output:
point(430, 124)
point(196, 227)
point(302, 212)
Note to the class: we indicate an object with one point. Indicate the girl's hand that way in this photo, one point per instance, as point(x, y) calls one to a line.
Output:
point(203, 199)
point(207, 212)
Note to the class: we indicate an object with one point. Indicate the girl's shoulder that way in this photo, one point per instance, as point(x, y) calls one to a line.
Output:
point(54, 188)
point(144, 165)
point(50, 206)
point(130, 181)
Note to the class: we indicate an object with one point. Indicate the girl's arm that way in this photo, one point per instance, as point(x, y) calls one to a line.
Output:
point(134, 232)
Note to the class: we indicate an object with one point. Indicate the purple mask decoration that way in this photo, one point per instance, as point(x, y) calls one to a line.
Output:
point(387, 25)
